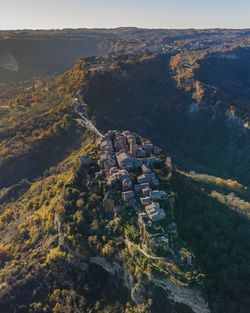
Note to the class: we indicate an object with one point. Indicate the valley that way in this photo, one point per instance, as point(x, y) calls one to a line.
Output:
point(125, 174)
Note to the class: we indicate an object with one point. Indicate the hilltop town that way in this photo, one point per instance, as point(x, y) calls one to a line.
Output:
point(135, 177)
point(128, 165)
point(121, 154)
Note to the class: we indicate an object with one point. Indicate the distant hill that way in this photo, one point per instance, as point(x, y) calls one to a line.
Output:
point(46, 52)
point(44, 55)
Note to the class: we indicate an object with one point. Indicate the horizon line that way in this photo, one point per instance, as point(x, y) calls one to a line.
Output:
point(127, 27)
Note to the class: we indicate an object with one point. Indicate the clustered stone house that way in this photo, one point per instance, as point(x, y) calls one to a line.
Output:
point(119, 153)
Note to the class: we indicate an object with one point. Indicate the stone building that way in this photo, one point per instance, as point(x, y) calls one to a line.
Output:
point(125, 160)
point(145, 178)
point(154, 212)
point(158, 195)
point(146, 201)
point(128, 195)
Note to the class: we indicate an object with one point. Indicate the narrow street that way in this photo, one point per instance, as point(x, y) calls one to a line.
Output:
point(87, 123)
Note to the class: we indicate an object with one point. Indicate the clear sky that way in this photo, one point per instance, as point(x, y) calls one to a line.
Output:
point(21, 14)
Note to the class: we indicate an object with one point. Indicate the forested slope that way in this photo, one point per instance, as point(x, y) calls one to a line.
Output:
point(53, 220)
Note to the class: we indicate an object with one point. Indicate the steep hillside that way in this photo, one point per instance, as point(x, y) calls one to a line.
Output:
point(39, 127)
point(75, 230)
point(228, 74)
point(152, 95)
point(159, 100)
point(69, 243)
point(213, 217)
point(42, 55)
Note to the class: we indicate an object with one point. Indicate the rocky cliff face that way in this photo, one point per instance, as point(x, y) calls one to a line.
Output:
point(175, 288)
point(189, 297)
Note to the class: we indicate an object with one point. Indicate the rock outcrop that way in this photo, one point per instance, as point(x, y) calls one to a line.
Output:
point(179, 294)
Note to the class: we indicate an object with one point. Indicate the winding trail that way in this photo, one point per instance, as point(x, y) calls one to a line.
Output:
point(129, 244)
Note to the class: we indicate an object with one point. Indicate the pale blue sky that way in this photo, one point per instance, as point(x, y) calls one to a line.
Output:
point(20, 14)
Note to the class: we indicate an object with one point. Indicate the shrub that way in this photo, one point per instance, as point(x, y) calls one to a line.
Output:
point(55, 255)
point(5, 252)
point(108, 250)
point(6, 217)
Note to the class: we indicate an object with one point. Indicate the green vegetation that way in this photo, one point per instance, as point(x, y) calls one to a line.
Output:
point(218, 233)
point(53, 220)
point(187, 120)
point(53, 228)
point(56, 225)
point(132, 233)
point(228, 77)
point(39, 129)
